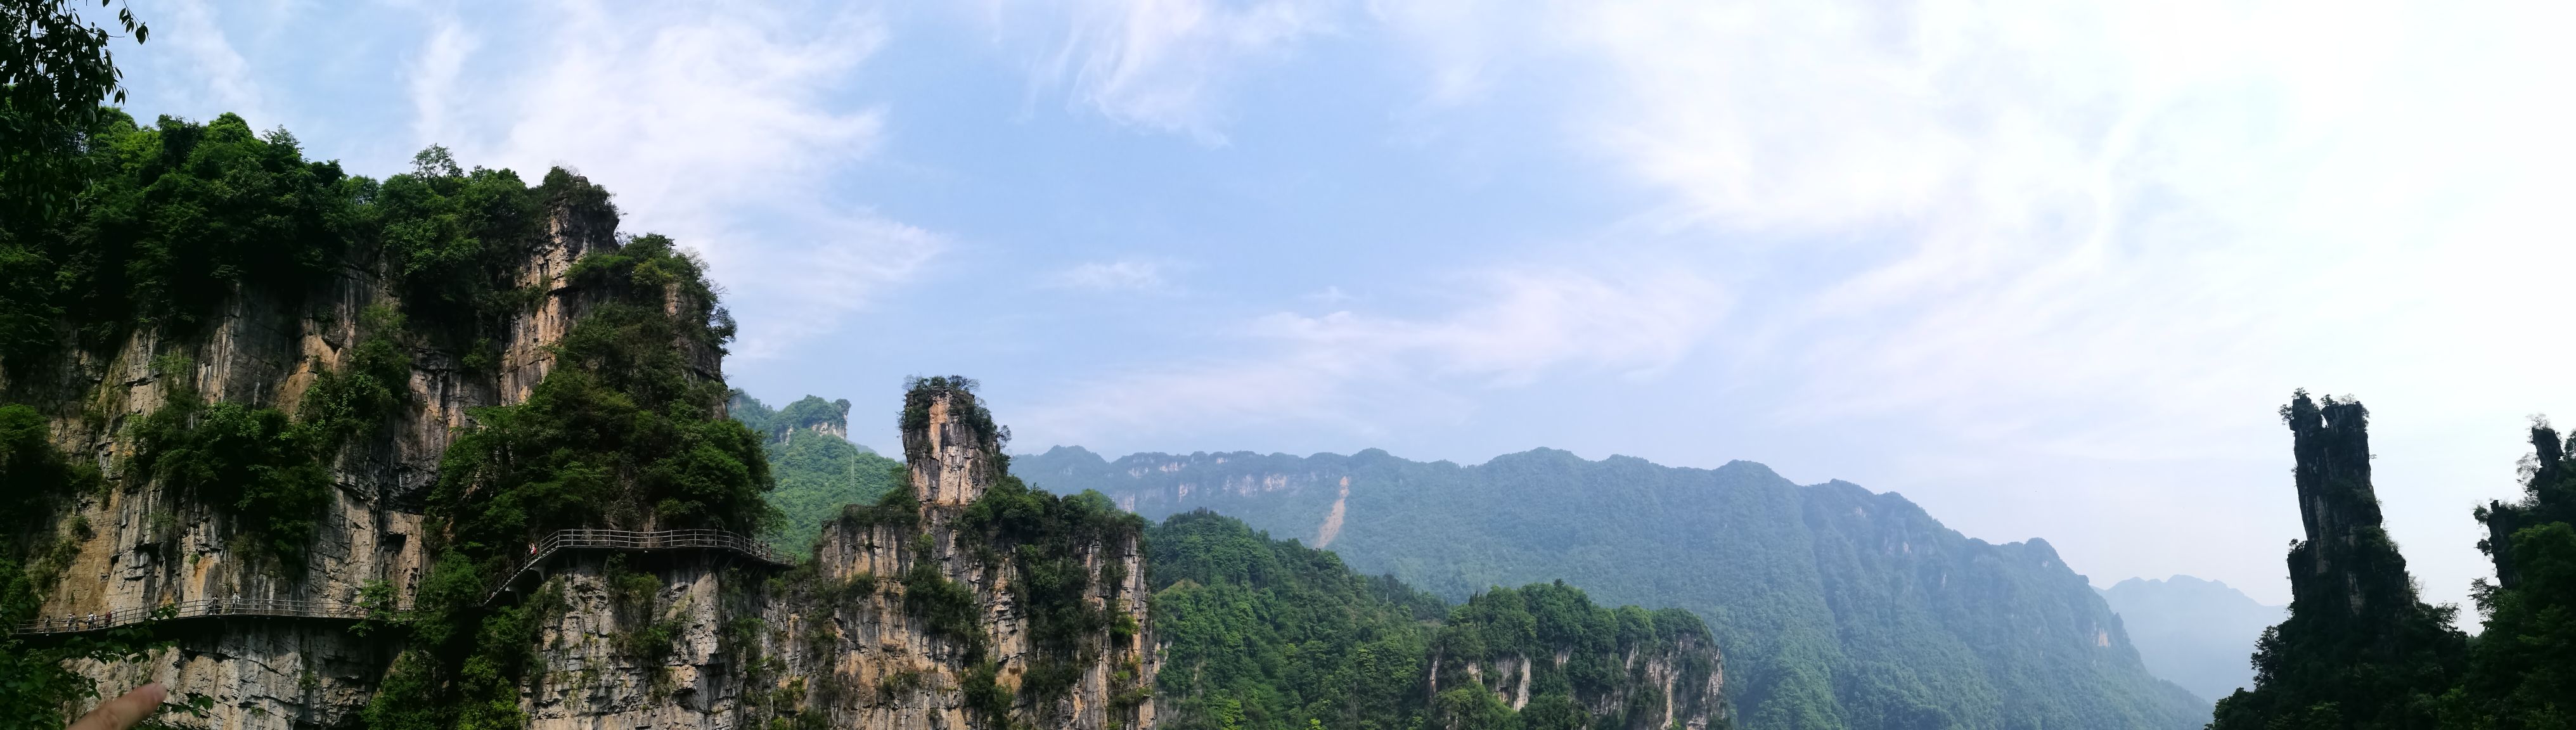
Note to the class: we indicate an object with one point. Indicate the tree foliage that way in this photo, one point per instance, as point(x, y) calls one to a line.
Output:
point(817, 472)
point(1269, 634)
point(55, 71)
point(2359, 650)
point(1837, 607)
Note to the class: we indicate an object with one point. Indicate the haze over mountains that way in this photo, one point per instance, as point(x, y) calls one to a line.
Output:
point(1836, 607)
point(1834, 604)
point(2196, 633)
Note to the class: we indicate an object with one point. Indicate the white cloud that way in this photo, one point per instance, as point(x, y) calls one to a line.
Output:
point(717, 125)
point(223, 76)
point(1167, 65)
point(1510, 328)
point(2099, 237)
point(1111, 276)
point(2101, 232)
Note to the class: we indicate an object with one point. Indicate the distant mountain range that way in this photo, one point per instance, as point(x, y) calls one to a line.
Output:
point(1836, 607)
point(2196, 633)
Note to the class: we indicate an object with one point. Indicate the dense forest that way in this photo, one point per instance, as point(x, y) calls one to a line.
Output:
point(1261, 633)
point(816, 466)
point(2360, 650)
point(1837, 607)
point(233, 357)
point(1265, 634)
point(182, 225)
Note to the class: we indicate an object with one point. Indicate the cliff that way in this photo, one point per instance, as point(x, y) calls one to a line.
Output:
point(448, 451)
point(1559, 661)
point(1837, 607)
point(1263, 634)
point(2359, 650)
point(142, 542)
point(913, 613)
point(965, 600)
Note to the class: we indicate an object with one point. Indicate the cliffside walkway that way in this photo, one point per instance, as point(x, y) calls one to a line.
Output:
point(200, 608)
point(632, 541)
point(534, 564)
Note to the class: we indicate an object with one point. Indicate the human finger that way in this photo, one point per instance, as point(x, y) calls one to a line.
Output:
point(123, 712)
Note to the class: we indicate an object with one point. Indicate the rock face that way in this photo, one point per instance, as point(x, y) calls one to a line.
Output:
point(2358, 649)
point(1546, 651)
point(2347, 564)
point(136, 546)
point(907, 608)
point(904, 621)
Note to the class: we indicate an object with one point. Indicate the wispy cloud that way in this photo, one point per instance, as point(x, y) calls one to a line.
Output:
point(1167, 65)
point(1510, 328)
point(223, 76)
point(715, 124)
point(2096, 232)
point(1126, 275)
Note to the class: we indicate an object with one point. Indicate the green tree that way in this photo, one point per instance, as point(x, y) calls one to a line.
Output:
point(2358, 650)
point(2522, 668)
point(55, 71)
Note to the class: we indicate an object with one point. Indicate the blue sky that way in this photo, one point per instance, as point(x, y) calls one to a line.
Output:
point(2045, 267)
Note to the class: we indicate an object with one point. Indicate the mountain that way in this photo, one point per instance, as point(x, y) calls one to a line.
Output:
point(1837, 607)
point(448, 450)
point(1272, 635)
point(2195, 633)
point(815, 465)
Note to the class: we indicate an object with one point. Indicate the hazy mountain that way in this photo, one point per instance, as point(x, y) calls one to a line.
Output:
point(1836, 607)
point(2196, 633)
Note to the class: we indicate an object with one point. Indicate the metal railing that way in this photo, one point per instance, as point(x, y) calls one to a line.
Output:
point(200, 608)
point(632, 540)
point(629, 540)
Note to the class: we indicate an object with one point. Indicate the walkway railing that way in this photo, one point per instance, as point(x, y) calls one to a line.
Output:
point(633, 541)
point(201, 608)
point(534, 562)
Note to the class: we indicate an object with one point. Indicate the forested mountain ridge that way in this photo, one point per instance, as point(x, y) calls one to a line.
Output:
point(817, 467)
point(1272, 635)
point(1837, 607)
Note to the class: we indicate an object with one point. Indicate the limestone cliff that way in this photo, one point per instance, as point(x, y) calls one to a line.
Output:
point(1550, 654)
point(928, 609)
point(136, 544)
point(917, 612)
point(2360, 648)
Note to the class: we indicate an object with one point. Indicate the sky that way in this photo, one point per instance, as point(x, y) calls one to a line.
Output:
point(2047, 268)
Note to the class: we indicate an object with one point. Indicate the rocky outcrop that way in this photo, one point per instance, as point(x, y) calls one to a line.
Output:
point(2359, 649)
point(910, 617)
point(136, 545)
point(2347, 565)
point(916, 614)
point(1547, 652)
point(916, 610)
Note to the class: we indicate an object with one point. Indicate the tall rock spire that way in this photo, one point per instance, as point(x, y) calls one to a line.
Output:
point(2347, 565)
point(2359, 650)
point(949, 442)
